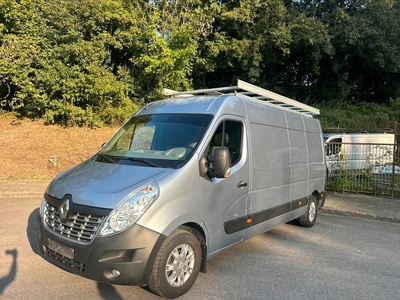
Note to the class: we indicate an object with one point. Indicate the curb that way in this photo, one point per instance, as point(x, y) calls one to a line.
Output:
point(358, 215)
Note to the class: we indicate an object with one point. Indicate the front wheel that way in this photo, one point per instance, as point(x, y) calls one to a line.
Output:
point(177, 265)
point(309, 218)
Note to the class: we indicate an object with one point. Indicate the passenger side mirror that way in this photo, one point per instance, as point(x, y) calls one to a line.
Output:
point(219, 163)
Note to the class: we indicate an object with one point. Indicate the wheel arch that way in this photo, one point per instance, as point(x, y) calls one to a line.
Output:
point(320, 196)
point(199, 233)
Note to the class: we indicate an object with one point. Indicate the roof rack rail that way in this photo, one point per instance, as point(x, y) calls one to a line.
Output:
point(253, 92)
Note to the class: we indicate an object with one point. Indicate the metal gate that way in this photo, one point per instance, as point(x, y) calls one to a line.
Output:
point(363, 168)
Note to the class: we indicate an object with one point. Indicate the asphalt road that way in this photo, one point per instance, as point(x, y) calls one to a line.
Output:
point(339, 258)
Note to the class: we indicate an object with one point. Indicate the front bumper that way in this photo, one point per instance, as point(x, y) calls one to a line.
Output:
point(130, 254)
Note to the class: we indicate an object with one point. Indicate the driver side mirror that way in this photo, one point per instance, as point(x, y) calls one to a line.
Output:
point(219, 163)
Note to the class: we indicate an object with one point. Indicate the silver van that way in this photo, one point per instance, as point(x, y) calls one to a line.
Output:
point(359, 151)
point(181, 181)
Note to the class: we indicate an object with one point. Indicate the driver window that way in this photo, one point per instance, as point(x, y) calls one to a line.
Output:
point(228, 135)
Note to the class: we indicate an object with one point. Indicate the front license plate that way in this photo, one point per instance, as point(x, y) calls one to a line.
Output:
point(61, 249)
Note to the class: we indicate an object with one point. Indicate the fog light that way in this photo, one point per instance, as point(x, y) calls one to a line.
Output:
point(116, 273)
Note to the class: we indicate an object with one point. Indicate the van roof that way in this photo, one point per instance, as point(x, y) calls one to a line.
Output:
point(247, 91)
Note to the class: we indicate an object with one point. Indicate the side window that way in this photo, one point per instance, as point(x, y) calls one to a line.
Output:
point(229, 134)
point(333, 147)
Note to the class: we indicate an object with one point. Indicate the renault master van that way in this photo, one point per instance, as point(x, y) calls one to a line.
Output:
point(181, 181)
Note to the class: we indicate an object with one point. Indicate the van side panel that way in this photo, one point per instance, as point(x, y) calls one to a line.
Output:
point(299, 179)
point(270, 168)
point(298, 156)
point(270, 157)
point(316, 156)
point(287, 165)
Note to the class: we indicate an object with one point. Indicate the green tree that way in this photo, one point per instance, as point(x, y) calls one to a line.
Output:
point(300, 69)
point(57, 60)
point(172, 36)
point(91, 62)
point(247, 38)
point(269, 43)
point(365, 38)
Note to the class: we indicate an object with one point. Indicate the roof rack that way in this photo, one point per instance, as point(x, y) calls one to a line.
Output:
point(252, 92)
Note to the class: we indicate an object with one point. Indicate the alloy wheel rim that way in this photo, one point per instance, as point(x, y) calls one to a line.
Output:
point(312, 212)
point(180, 264)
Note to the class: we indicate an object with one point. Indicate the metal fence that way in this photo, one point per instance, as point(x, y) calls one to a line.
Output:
point(363, 168)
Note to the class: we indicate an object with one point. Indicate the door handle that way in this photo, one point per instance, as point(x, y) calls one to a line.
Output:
point(241, 184)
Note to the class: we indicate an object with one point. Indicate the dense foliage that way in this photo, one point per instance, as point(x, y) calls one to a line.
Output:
point(94, 62)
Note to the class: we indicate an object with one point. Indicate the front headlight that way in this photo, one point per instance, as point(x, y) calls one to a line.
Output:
point(129, 210)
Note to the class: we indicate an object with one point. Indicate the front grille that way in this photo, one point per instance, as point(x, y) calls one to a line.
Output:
point(79, 227)
point(73, 264)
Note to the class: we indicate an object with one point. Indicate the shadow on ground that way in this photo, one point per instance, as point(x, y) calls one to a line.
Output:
point(6, 280)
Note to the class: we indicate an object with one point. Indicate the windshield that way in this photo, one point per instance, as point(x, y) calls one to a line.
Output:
point(163, 140)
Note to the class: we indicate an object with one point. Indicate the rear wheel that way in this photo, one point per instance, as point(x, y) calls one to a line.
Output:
point(177, 265)
point(309, 218)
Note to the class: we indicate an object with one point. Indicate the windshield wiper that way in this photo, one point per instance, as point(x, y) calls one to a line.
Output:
point(145, 161)
point(106, 157)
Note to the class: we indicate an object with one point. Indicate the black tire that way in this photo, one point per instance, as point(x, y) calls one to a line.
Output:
point(309, 218)
point(181, 251)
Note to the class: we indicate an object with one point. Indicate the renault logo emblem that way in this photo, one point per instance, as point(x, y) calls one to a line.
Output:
point(64, 209)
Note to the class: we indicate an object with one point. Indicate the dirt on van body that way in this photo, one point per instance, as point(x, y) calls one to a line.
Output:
point(31, 150)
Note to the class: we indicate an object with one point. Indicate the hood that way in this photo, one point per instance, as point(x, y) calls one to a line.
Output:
point(101, 184)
